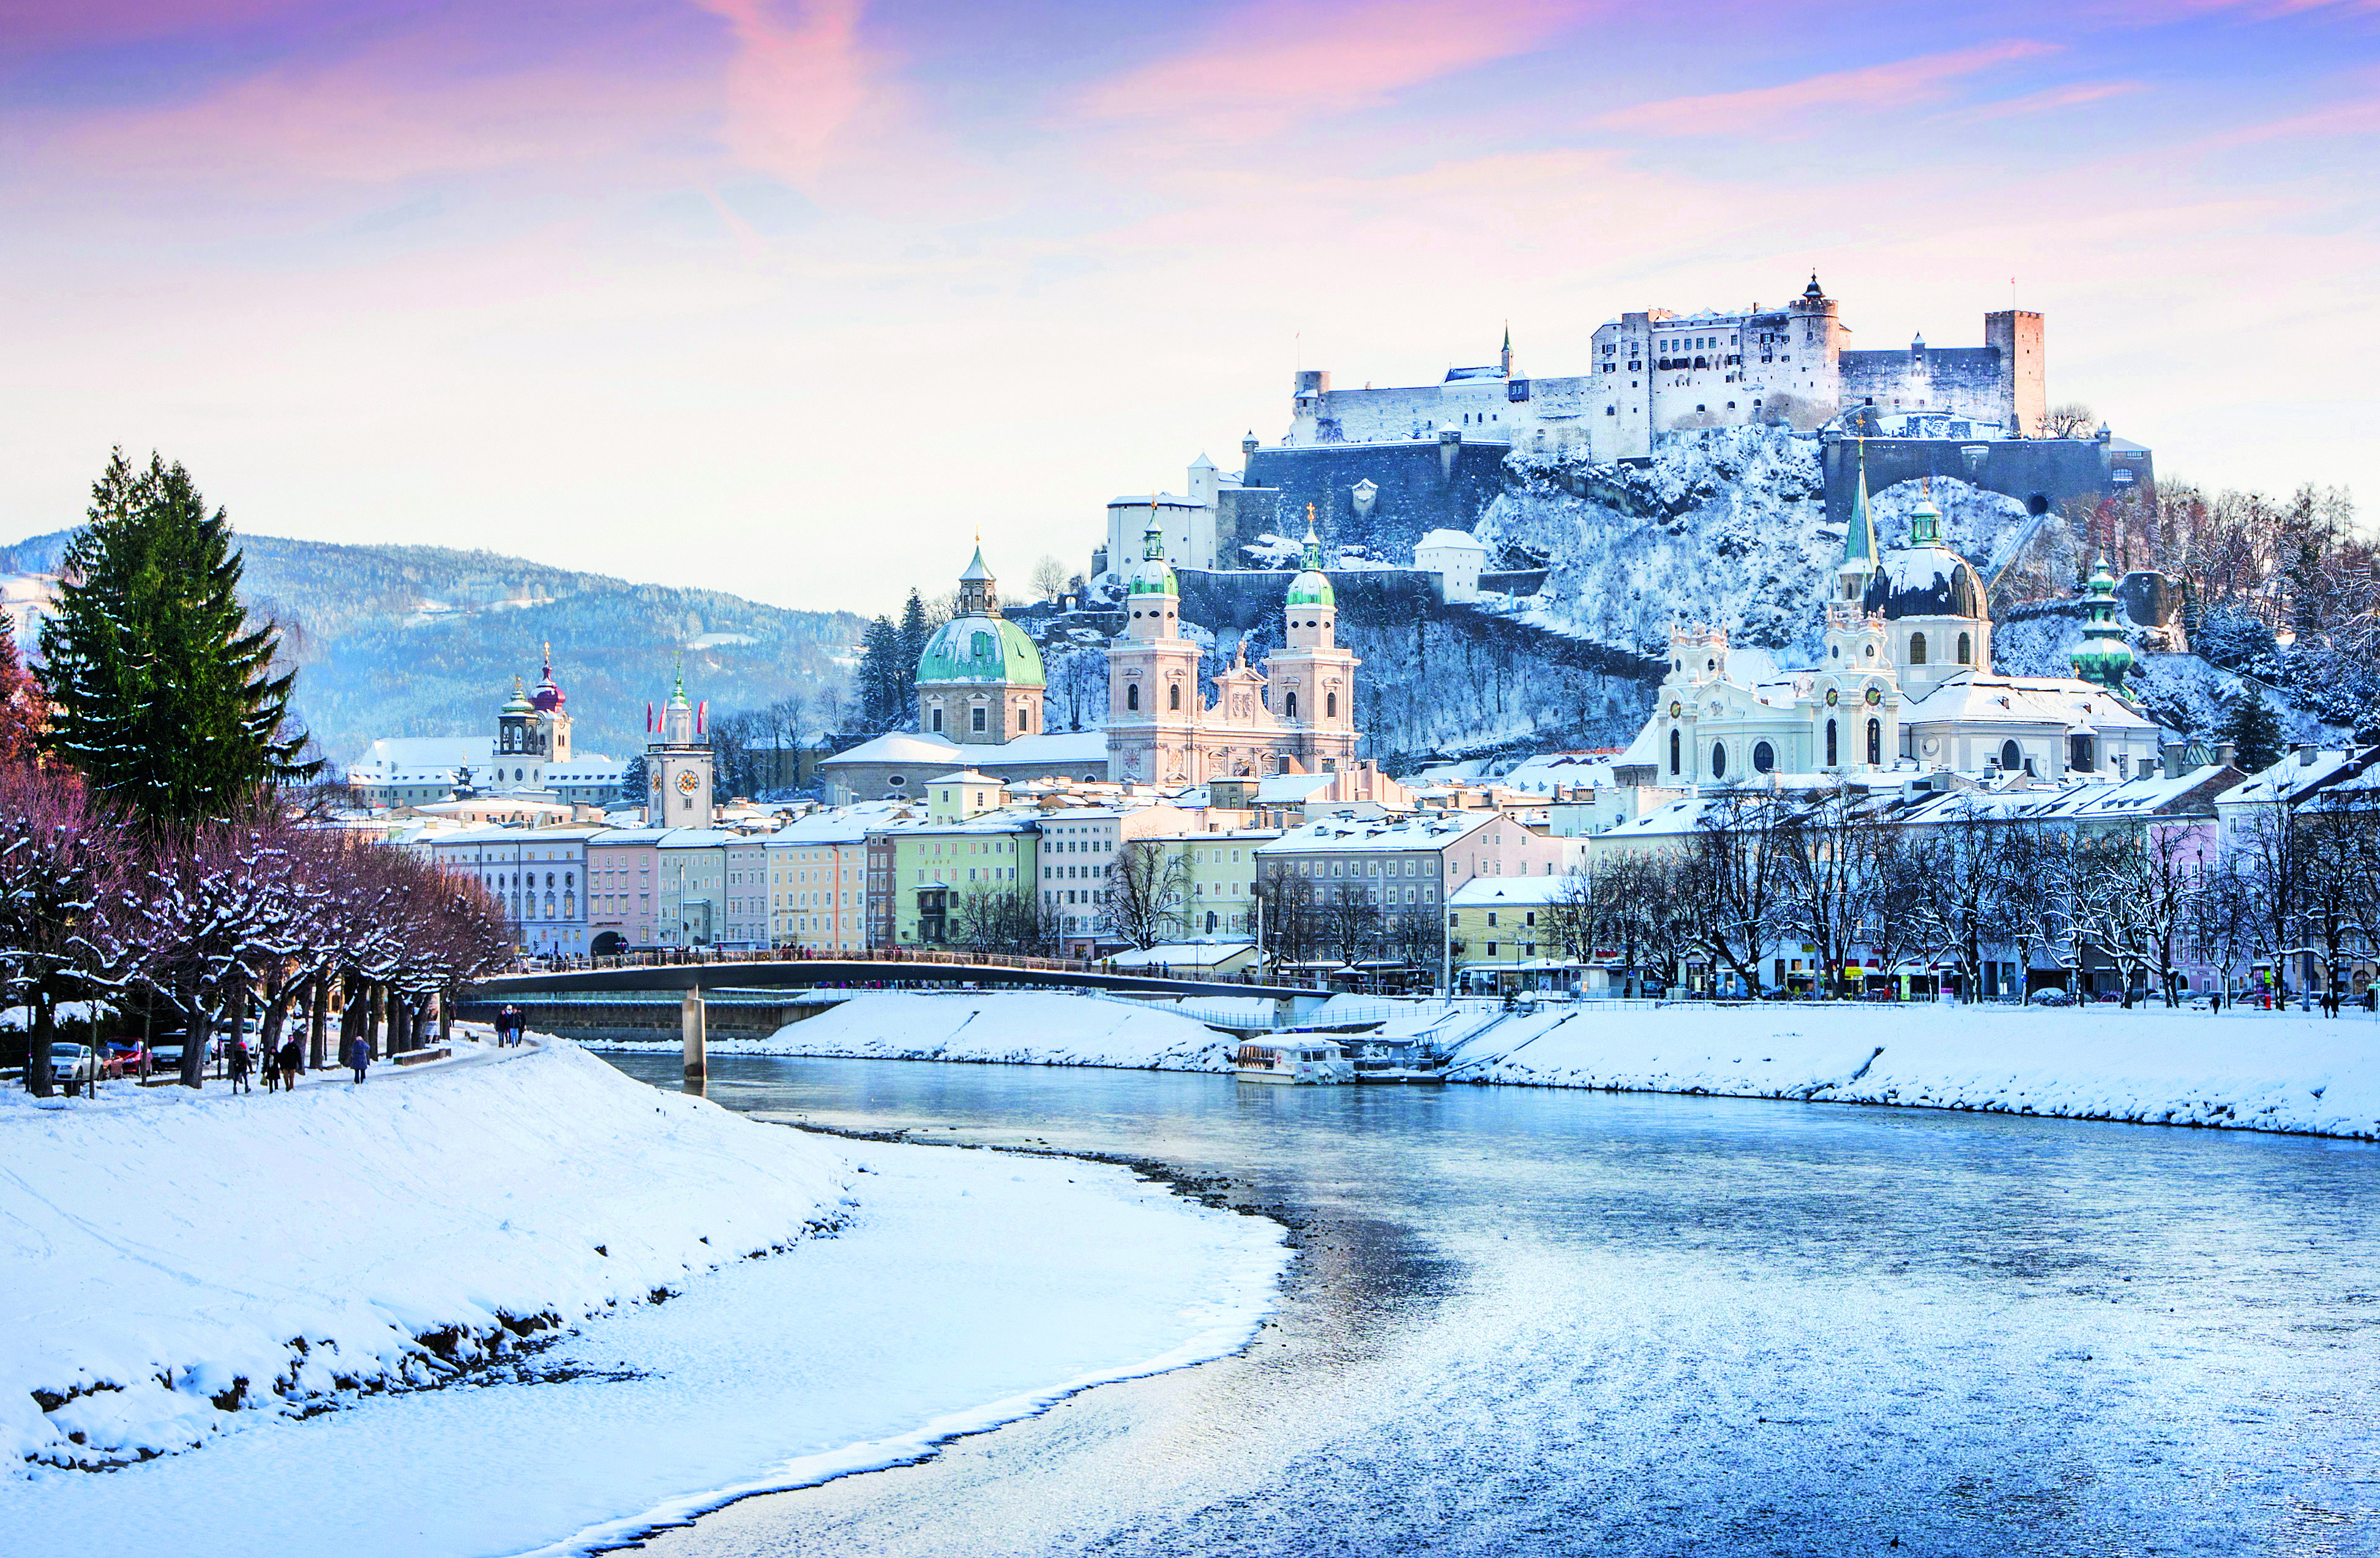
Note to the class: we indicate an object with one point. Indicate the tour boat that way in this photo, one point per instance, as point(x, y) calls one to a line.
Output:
point(1395, 1060)
point(1291, 1061)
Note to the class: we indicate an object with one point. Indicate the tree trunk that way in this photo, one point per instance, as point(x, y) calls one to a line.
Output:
point(196, 1031)
point(351, 1016)
point(376, 1013)
point(38, 1077)
point(236, 1012)
point(446, 1016)
point(318, 1017)
point(278, 993)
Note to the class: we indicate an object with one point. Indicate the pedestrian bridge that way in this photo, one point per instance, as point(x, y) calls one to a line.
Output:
point(890, 969)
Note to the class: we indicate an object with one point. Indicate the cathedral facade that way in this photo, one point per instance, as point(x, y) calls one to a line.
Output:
point(1906, 683)
point(1295, 716)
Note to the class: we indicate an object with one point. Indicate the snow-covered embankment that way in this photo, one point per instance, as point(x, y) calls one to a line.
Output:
point(187, 1264)
point(1016, 1027)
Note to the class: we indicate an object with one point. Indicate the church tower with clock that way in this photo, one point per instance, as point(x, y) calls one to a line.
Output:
point(677, 767)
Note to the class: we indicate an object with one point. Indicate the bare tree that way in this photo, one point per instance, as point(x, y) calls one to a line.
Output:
point(1147, 893)
point(1048, 578)
point(1830, 853)
point(1736, 881)
point(2074, 420)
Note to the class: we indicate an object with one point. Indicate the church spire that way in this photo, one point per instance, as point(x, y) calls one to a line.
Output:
point(1508, 349)
point(1313, 557)
point(1859, 539)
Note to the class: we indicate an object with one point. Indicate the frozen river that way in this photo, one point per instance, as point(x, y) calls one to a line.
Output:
point(1528, 1321)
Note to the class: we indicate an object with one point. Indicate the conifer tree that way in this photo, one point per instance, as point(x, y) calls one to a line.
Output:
point(915, 631)
point(24, 708)
point(2250, 725)
point(880, 684)
point(166, 701)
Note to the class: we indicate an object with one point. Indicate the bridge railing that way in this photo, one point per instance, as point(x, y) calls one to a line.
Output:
point(902, 957)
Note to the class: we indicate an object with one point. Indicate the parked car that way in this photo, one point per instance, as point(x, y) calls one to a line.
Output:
point(73, 1063)
point(120, 1057)
point(165, 1052)
point(2050, 998)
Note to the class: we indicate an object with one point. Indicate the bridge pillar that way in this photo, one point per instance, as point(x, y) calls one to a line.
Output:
point(689, 1022)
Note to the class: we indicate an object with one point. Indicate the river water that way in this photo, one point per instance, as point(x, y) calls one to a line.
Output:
point(1533, 1321)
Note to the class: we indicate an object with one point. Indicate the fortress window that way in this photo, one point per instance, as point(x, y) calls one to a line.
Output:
point(1673, 751)
point(1917, 649)
point(1966, 651)
point(1611, 411)
point(1830, 744)
point(1132, 695)
point(1731, 404)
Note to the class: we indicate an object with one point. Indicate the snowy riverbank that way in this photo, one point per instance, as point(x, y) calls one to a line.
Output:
point(162, 1247)
point(2257, 1071)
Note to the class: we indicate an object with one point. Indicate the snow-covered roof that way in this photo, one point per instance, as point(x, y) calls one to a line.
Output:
point(1289, 789)
point(1924, 581)
point(1415, 830)
point(900, 747)
point(697, 838)
point(1066, 750)
point(963, 776)
point(2065, 701)
point(1182, 955)
point(2294, 776)
point(1444, 540)
point(1488, 891)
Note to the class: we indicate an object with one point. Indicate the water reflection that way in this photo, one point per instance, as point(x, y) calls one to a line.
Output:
point(1531, 1321)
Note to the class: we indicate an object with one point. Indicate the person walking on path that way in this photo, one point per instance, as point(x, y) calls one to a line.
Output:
point(292, 1061)
point(240, 1065)
point(358, 1057)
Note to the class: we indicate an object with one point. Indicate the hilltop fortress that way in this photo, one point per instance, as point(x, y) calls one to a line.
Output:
point(1658, 371)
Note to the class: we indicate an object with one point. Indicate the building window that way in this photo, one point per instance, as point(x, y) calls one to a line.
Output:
point(1875, 743)
point(1673, 751)
point(1173, 696)
point(1917, 649)
point(1719, 759)
point(976, 720)
point(1966, 650)
point(1330, 705)
point(1832, 759)
point(938, 719)
point(1764, 758)
point(1289, 706)
point(1132, 695)
point(2011, 756)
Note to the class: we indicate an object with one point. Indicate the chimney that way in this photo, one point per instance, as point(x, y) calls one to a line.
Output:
point(2306, 750)
point(2227, 754)
point(2169, 755)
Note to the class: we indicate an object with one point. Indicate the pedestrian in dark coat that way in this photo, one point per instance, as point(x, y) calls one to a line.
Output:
point(292, 1061)
point(358, 1057)
point(242, 1065)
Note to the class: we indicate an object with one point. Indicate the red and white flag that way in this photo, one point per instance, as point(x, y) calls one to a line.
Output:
point(701, 715)
point(648, 719)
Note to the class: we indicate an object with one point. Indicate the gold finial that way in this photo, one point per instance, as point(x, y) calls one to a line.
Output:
point(1309, 517)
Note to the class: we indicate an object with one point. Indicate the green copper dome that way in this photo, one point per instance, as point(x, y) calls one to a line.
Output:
point(518, 704)
point(2104, 657)
point(1154, 576)
point(980, 648)
point(1312, 587)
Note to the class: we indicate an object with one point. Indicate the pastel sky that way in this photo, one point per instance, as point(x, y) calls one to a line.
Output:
point(790, 297)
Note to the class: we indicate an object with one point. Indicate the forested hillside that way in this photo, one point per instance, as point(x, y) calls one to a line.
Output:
point(425, 641)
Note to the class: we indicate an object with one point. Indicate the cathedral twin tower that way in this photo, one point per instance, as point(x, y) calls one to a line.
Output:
point(980, 683)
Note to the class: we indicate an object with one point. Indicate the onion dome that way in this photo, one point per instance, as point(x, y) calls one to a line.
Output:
point(1154, 576)
point(678, 697)
point(549, 696)
point(2104, 657)
point(990, 650)
point(1312, 586)
point(518, 704)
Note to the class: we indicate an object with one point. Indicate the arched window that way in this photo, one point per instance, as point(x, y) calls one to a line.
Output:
point(1173, 696)
point(1719, 759)
point(1966, 650)
point(1764, 758)
point(1875, 743)
point(1289, 706)
point(1673, 751)
point(1132, 695)
point(1917, 649)
point(1832, 759)
point(2011, 756)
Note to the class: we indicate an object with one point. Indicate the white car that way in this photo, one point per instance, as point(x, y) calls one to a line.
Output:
point(73, 1063)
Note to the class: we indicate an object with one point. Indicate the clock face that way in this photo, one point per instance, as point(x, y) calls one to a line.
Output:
point(688, 784)
point(1833, 697)
point(1676, 708)
point(1874, 695)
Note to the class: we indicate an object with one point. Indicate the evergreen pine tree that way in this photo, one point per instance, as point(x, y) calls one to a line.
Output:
point(880, 688)
point(915, 631)
point(2250, 725)
point(167, 701)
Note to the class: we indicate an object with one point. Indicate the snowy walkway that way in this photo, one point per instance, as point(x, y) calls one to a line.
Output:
point(967, 1289)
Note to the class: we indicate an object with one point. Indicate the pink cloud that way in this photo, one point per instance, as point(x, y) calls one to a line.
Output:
point(1270, 65)
point(1898, 85)
point(795, 87)
point(29, 26)
point(2050, 101)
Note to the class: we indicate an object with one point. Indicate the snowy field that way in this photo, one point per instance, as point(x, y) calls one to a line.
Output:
point(2257, 1071)
point(162, 1247)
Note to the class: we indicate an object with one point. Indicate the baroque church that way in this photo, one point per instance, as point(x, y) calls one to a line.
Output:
point(1907, 683)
